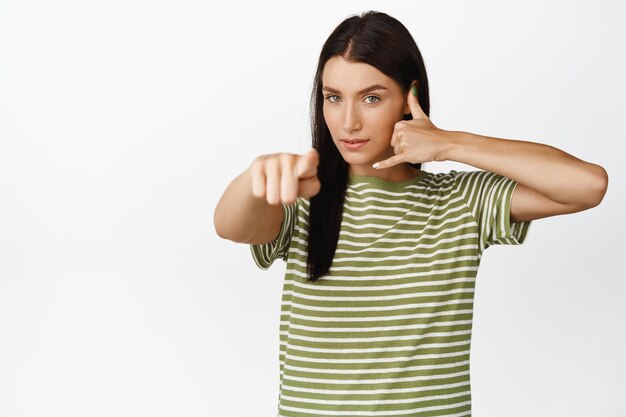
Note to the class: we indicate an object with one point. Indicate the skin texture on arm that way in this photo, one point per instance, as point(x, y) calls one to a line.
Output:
point(527, 204)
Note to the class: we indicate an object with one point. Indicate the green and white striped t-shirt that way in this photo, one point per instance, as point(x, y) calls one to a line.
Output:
point(387, 331)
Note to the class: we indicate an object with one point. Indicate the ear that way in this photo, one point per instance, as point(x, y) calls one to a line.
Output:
point(406, 110)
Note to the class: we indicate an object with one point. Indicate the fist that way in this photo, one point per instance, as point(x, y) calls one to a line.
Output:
point(283, 177)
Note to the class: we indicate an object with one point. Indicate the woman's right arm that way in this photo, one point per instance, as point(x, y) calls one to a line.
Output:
point(250, 210)
point(242, 217)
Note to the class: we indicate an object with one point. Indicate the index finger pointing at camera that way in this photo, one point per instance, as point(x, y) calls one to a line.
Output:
point(307, 164)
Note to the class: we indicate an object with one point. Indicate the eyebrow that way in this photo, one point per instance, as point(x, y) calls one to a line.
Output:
point(363, 91)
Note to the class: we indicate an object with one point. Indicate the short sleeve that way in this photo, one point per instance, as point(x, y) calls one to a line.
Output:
point(488, 196)
point(264, 254)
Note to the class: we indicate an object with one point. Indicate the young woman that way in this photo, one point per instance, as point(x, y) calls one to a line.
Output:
point(381, 255)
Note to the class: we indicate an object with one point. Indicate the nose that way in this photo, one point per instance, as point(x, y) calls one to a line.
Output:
point(351, 119)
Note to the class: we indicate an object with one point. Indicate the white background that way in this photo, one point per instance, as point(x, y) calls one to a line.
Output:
point(122, 123)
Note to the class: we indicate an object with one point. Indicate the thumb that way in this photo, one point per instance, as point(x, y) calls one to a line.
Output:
point(414, 105)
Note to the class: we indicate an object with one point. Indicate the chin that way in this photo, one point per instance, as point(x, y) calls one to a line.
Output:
point(358, 160)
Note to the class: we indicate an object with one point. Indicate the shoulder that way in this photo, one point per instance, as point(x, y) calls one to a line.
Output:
point(465, 182)
point(440, 181)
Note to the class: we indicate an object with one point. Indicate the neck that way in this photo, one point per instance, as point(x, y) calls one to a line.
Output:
point(402, 172)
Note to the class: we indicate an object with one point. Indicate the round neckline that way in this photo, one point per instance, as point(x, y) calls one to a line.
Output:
point(368, 179)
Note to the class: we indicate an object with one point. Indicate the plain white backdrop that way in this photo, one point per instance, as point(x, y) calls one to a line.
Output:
point(122, 123)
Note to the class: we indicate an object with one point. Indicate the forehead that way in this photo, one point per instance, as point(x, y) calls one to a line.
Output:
point(348, 77)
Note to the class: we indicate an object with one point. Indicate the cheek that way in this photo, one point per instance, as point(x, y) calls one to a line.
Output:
point(331, 119)
point(383, 115)
point(382, 125)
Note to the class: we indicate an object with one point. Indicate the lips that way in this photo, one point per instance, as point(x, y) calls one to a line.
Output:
point(356, 140)
point(354, 147)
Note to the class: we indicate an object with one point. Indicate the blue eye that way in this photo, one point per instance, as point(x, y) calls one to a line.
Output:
point(333, 95)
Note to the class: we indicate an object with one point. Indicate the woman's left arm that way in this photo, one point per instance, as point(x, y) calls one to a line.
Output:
point(550, 181)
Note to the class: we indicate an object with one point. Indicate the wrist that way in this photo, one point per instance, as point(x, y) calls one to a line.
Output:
point(452, 142)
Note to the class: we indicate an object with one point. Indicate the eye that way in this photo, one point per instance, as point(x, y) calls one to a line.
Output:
point(371, 102)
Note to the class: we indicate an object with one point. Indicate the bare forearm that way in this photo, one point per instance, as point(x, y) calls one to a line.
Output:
point(555, 174)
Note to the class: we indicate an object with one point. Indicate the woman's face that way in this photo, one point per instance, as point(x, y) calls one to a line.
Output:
point(360, 102)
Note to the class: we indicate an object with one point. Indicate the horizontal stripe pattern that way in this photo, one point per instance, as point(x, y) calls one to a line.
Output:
point(387, 332)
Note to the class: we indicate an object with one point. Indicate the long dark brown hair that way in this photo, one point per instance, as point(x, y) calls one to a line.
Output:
point(381, 41)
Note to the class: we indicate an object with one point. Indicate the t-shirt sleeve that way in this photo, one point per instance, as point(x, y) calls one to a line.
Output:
point(488, 196)
point(264, 254)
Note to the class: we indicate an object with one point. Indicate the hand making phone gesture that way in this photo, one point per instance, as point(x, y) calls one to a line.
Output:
point(417, 140)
